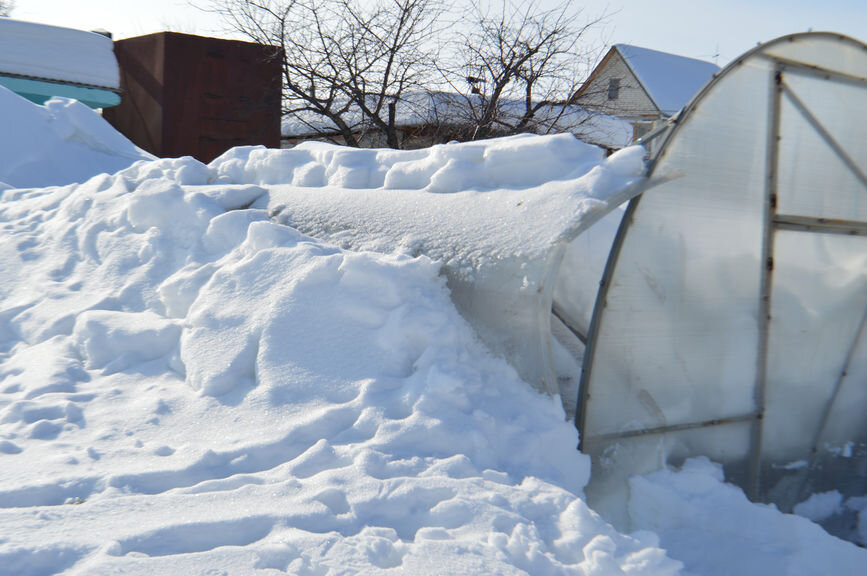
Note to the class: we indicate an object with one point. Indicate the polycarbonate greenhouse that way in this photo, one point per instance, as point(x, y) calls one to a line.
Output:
point(731, 316)
point(724, 317)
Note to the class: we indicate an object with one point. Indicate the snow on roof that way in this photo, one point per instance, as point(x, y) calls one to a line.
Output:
point(55, 53)
point(442, 107)
point(670, 80)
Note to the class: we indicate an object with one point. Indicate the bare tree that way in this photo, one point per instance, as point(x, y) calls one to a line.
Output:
point(6, 7)
point(518, 65)
point(346, 64)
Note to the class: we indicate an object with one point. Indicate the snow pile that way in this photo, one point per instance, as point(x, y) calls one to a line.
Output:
point(464, 204)
point(714, 529)
point(56, 53)
point(59, 143)
point(187, 386)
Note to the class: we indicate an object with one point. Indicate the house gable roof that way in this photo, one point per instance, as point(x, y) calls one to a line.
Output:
point(669, 80)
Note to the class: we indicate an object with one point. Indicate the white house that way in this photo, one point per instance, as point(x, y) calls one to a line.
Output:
point(641, 86)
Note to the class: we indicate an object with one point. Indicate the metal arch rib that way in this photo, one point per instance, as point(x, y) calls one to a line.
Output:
point(596, 320)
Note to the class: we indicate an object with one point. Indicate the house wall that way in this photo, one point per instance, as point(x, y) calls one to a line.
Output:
point(632, 104)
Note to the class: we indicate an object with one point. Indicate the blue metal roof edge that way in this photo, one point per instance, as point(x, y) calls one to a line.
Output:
point(40, 91)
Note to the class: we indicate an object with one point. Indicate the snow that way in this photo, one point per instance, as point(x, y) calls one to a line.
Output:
point(670, 80)
point(189, 386)
point(56, 53)
point(429, 200)
point(35, 137)
point(820, 506)
point(714, 529)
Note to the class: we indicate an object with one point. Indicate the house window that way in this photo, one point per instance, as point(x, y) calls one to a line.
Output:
point(613, 88)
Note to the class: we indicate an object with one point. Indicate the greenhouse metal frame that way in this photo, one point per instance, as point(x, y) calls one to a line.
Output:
point(788, 174)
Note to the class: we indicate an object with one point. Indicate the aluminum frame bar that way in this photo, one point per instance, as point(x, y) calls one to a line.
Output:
point(823, 132)
point(801, 69)
point(672, 428)
point(820, 225)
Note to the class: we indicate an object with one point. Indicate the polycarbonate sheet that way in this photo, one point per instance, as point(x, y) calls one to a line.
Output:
point(615, 460)
point(817, 303)
point(678, 333)
point(509, 305)
point(828, 51)
point(581, 270)
point(677, 342)
point(814, 178)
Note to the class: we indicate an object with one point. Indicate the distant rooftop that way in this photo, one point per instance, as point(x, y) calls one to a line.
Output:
point(416, 109)
point(670, 80)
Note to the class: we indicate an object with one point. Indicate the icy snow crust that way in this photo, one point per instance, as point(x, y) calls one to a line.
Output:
point(189, 387)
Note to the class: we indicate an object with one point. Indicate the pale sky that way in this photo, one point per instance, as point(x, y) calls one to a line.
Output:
point(715, 30)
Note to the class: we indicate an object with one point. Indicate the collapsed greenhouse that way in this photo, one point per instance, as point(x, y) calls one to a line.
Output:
point(721, 313)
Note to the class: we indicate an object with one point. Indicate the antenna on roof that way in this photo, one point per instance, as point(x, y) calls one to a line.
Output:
point(714, 56)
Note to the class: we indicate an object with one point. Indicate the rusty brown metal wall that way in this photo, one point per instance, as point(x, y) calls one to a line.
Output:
point(185, 95)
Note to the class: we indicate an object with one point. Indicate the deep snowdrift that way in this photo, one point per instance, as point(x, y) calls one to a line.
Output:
point(59, 143)
point(186, 386)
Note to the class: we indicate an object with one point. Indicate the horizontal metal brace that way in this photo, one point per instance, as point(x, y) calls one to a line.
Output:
point(802, 69)
point(671, 428)
point(821, 225)
point(567, 321)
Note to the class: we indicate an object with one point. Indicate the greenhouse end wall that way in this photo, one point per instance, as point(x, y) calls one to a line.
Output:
point(731, 320)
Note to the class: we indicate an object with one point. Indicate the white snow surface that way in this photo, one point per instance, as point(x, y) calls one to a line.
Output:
point(187, 387)
point(461, 204)
point(59, 143)
point(715, 530)
point(57, 53)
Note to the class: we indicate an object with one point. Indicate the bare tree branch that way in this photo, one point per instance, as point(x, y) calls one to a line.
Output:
point(515, 60)
point(350, 65)
point(348, 62)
